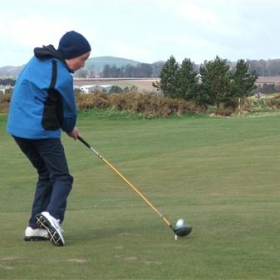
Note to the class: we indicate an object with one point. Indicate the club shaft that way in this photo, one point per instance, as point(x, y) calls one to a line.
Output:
point(127, 181)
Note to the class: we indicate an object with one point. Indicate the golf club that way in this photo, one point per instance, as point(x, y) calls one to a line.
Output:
point(180, 230)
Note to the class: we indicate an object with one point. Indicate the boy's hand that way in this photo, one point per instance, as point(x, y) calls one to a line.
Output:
point(74, 134)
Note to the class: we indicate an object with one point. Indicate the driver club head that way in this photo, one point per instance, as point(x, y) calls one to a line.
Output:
point(183, 230)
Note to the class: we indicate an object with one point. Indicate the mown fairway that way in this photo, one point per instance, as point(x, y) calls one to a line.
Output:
point(220, 174)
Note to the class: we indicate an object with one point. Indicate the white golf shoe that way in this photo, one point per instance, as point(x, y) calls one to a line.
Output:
point(49, 223)
point(36, 234)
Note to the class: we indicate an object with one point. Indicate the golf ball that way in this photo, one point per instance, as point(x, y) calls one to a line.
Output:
point(180, 223)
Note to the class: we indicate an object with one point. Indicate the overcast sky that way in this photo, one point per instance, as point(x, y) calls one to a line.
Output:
point(142, 30)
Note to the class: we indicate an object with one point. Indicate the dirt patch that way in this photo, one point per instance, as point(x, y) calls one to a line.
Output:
point(131, 259)
point(77, 260)
point(268, 80)
point(125, 234)
point(141, 84)
point(7, 267)
point(10, 258)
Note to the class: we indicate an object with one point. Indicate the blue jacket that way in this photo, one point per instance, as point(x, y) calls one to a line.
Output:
point(43, 101)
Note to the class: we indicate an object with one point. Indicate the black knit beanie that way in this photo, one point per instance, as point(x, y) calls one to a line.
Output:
point(73, 44)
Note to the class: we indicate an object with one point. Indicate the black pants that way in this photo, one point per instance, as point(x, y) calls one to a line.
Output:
point(54, 181)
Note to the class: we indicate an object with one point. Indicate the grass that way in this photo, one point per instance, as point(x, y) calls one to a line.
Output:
point(220, 174)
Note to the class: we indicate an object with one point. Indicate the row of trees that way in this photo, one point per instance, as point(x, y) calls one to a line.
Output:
point(267, 88)
point(141, 70)
point(263, 67)
point(214, 84)
point(7, 82)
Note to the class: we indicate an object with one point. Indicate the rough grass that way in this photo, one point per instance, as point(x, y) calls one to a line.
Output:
point(220, 174)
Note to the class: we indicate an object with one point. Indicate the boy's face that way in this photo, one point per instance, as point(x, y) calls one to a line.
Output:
point(77, 63)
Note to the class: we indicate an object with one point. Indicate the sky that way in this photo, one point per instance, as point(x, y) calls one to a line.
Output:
point(144, 30)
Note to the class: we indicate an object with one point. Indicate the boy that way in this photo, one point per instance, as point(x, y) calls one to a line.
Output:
point(43, 103)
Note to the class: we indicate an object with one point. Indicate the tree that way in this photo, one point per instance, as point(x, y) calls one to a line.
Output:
point(106, 71)
point(157, 67)
point(168, 78)
point(186, 81)
point(115, 89)
point(216, 79)
point(244, 82)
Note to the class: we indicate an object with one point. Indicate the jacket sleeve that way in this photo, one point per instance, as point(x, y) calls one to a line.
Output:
point(65, 87)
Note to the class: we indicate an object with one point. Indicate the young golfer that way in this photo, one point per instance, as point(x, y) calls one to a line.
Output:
point(42, 104)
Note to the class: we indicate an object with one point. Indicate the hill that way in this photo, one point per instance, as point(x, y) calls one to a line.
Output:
point(96, 64)
point(10, 71)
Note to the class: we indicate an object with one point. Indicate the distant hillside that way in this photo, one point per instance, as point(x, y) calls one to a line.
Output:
point(10, 71)
point(98, 63)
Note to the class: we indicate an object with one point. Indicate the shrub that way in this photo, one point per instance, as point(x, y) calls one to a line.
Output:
point(4, 102)
point(151, 105)
point(274, 102)
point(225, 111)
point(96, 99)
